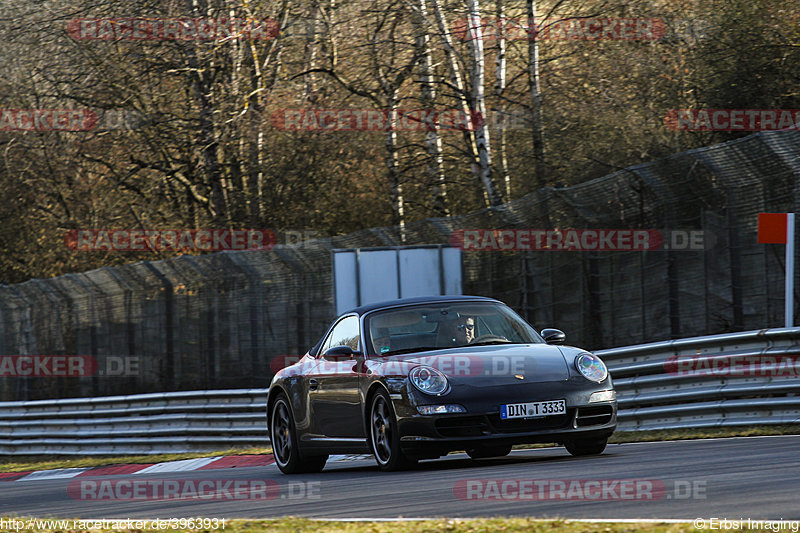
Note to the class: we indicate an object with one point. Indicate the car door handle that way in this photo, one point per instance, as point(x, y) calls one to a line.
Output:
point(313, 384)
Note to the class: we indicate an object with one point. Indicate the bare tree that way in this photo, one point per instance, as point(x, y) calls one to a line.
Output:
point(477, 79)
point(499, 90)
point(391, 64)
point(433, 140)
point(478, 156)
point(537, 124)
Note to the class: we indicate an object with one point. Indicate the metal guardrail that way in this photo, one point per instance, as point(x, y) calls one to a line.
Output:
point(655, 391)
point(136, 424)
point(736, 379)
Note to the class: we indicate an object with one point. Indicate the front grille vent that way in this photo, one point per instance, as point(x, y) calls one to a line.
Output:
point(593, 416)
point(463, 426)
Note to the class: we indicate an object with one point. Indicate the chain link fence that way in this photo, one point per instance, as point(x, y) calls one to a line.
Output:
point(222, 320)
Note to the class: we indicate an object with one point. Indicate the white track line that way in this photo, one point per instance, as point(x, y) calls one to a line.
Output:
point(61, 473)
point(186, 465)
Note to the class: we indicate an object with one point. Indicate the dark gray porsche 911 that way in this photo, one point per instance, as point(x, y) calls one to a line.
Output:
point(418, 378)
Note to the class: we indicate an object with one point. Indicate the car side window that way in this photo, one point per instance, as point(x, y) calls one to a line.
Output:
point(345, 333)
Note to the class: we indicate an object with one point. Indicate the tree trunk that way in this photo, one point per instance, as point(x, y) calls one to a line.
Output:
point(211, 168)
point(310, 53)
point(457, 84)
point(393, 166)
point(263, 77)
point(209, 158)
point(433, 141)
point(540, 171)
point(477, 78)
point(499, 89)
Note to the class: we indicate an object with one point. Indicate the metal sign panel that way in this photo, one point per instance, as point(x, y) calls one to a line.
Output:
point(368, 275)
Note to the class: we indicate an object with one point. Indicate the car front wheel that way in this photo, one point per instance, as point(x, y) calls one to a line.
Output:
point(284, 441)
point(384, 437)
point(586, 447)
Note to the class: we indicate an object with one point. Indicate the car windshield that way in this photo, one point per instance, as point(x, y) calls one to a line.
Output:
point(446, 325)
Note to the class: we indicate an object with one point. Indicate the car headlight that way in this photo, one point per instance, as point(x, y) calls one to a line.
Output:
point(428, 380)
point(591, 367)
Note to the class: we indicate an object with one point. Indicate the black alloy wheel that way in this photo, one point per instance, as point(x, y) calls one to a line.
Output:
point(384, 437)
point(284, 441)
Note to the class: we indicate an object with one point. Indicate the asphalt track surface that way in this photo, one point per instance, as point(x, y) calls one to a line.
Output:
point(738, 478)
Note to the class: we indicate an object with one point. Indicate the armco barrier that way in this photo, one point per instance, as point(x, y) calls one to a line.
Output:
point(141, 424)
point(654, 392)
point(736, 379)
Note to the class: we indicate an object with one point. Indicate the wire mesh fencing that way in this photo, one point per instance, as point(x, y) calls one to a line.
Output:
point(226, 320)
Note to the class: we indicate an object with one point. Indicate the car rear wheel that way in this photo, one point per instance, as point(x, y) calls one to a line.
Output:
point(586, 447)
point(384, 437)
point(485, 452)
point(284, 441)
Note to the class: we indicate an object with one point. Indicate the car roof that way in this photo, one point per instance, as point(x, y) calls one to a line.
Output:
point(418, 300)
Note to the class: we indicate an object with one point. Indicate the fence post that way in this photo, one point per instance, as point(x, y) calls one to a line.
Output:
point(734, 249)
point(169, 317)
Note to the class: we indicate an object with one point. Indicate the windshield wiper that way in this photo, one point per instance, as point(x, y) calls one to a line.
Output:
point(488, 343)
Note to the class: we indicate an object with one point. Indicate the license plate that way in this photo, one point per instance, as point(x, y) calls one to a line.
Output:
point(533, 409)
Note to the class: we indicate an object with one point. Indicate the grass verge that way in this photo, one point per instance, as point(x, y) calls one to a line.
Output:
point(709, 433)
point(487, 525)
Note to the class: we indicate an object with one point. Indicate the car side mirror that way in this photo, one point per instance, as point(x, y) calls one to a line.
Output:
point(553, 336)
point(339, 353)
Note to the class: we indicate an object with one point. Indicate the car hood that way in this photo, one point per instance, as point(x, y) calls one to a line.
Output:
point(499, 364)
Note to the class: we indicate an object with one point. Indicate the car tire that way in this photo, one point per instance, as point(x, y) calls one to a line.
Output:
point(384, 437)
point(284, 441)
point(586, 447)
point(485, 452)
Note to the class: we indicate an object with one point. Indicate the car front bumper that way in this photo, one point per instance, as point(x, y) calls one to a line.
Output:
point(452, 432)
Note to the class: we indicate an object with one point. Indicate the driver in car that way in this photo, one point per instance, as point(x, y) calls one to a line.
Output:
point(457, 332)
point(467, 325)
